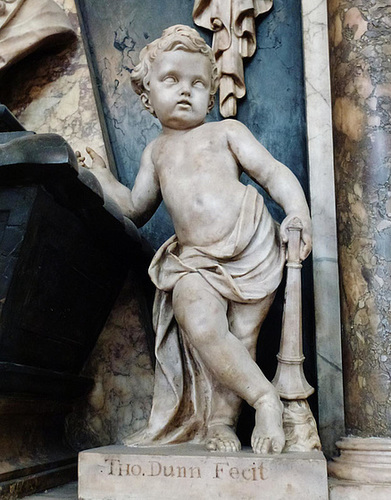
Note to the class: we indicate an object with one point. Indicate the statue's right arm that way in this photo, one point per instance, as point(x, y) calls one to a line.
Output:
point(139, 204)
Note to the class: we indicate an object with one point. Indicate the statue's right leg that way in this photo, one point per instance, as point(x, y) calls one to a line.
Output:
point(202, 316)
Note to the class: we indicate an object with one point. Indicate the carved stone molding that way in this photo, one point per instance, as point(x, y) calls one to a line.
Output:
point(364, 460)
point(234, 37)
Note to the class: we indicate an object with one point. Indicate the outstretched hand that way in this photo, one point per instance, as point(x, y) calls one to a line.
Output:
point(98, 162)
point(306, 233)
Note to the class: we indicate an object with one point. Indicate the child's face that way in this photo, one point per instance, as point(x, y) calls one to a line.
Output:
point(180, 86)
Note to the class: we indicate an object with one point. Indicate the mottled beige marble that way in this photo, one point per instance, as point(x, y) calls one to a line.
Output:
point(52, 91)
point(120, 401)
point(361, 79)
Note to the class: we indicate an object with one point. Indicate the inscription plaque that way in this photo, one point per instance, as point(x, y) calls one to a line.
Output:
point(184, 471)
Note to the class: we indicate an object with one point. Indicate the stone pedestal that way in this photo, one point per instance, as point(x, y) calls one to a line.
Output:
point(185, 471)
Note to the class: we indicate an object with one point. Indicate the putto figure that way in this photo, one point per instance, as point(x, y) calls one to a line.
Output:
point(217, 276)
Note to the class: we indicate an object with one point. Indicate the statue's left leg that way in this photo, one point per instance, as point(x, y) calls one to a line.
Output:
point(245, 321)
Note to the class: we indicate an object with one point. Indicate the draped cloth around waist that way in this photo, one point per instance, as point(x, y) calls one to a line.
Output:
point(245, 267)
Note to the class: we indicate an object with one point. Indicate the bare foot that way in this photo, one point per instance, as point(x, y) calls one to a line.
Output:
point(222, 437)
point(268, 435)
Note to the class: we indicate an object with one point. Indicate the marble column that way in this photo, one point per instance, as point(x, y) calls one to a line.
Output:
point(360, 58)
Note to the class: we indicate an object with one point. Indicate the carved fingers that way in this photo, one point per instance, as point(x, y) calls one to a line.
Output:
point(300, 223)
point(98, 162)
point(81, 160)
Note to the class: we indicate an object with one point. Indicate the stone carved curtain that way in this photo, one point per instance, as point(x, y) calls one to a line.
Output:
point(233, 24)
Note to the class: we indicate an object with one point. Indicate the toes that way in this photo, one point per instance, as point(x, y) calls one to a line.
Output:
point(218, 444)
point(232, 446)
point(236, 445)
point(267, 445)
point(222, 438)
point(261, 445)
point(256, 444)
point(277, 446)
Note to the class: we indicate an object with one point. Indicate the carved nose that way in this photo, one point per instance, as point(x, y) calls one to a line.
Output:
point(185, 90)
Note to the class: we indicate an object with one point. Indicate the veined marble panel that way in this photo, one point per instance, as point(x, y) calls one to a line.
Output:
point(323, 211)
point(51, 92)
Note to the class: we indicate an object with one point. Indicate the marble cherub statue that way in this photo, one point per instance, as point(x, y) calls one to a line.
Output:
point(217, 276)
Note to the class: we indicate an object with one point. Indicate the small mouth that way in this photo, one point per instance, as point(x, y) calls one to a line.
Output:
point(184, 102)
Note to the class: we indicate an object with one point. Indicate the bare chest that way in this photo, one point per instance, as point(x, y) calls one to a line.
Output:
point(189, 161)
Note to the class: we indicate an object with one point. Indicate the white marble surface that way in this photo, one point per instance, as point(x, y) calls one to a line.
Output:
point(349, 490)
point(325, 257)
point(182, 471)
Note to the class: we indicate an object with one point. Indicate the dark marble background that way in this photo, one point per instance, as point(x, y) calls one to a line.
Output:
point(273, 109)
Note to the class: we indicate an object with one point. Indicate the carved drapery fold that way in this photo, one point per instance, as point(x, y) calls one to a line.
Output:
point(233, 24)
point(26, 25)
point(8, 9)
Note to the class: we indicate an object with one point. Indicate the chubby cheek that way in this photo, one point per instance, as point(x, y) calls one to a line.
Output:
point(165, 99)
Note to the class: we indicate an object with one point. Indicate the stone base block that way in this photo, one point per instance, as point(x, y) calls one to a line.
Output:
point(351, 490)
point(184, 471)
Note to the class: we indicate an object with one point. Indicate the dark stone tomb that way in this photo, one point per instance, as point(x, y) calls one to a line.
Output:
point(63, 261)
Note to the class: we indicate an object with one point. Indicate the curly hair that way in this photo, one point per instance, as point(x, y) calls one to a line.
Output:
point(178, 37)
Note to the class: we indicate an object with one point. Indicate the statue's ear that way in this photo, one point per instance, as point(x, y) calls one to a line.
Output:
point(146, 102)
point(211, 102)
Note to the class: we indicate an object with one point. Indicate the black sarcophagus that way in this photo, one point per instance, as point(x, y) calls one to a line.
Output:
point(63, 260)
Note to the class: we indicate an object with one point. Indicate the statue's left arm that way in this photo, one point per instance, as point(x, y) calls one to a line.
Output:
point(274, 177)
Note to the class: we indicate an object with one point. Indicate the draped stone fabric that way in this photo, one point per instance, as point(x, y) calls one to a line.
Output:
point(233, 23)
point(245, 267)
point(27, 25)
point(8, 10)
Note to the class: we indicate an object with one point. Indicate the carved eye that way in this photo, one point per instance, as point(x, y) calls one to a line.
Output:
point(199, 84)
point(169, 79)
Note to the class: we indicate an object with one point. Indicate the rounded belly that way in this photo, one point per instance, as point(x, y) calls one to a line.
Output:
point(204, 218)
